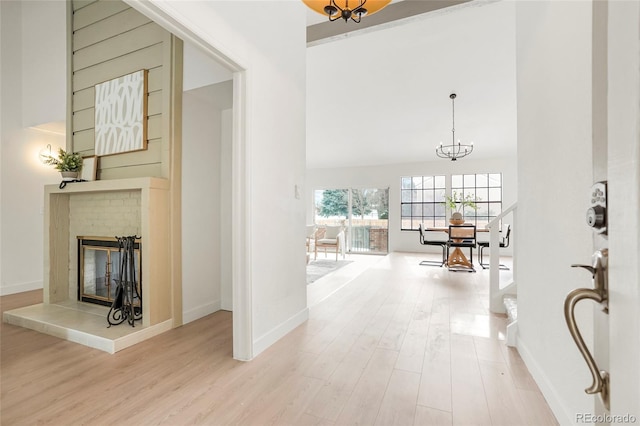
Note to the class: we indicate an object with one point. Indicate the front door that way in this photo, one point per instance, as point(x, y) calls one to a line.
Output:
point(616, 160)
point(623, 175)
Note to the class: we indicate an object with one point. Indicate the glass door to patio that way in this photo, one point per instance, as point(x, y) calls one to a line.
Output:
point(363, 212)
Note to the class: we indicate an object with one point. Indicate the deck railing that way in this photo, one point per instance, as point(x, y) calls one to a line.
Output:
point(364, 235)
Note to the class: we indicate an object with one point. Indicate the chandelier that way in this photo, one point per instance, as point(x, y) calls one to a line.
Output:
point(336, 9)
point(455, 150)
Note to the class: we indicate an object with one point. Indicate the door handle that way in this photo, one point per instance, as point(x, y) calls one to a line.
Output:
point(587, 267)
point(598, 294)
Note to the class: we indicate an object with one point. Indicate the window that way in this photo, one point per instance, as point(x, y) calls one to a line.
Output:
point(486, 190)
point(422, 200)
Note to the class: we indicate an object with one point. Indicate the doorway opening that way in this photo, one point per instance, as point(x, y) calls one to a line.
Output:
point(207, 120)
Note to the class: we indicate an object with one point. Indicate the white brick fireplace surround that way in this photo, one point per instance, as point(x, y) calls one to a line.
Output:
point(100, 214)
point(109, 208)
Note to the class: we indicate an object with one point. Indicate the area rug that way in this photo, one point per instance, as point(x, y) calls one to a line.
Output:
point(317, 269)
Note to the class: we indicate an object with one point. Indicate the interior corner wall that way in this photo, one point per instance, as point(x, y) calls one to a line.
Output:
point(388, 176)
point(22, 176)
point(226, 282)
point(267, 39)
point(554, 91)
point(201, 207)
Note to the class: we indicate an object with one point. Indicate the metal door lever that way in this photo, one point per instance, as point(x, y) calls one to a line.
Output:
point(587, 267)
point(599, 294)
point(599, 275)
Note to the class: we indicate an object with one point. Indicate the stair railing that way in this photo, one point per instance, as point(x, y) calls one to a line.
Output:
point(496, 290)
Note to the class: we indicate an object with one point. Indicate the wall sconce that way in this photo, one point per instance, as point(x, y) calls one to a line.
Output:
point(45, 153)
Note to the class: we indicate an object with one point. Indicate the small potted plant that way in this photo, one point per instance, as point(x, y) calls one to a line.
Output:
point(68, 164)
point(457, 203)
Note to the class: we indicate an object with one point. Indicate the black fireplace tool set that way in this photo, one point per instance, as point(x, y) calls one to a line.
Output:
point(127, 305)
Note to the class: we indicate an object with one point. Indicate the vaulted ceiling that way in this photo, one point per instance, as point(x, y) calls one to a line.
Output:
point(381, 95)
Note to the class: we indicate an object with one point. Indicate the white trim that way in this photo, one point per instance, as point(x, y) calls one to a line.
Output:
point(21, 287)
point(200, 311)
point(563, 414)
point(164, 15)
point(275, 334)
point(180, 26)
point(241, 258)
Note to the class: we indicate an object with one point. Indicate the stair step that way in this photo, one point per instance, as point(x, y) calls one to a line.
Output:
point(511, 306)
point(510, 302)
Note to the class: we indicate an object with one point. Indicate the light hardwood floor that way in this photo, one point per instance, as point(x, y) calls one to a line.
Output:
point(400, 344)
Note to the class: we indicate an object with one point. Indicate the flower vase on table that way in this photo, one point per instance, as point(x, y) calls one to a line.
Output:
point(456, 203)
point(456, 218)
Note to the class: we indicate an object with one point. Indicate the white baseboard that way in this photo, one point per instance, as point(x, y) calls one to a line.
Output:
point(200, 311)
point(562, 413)
point(272, 336)
point(20, 288)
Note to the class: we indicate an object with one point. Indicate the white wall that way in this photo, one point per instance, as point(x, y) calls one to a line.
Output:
point(200, 70)
point(267, 39)
point(22, 176)
point(554, 177)
point(226, 283)
point(388, 176)
point(201, 142)
point(3, 67)
point(44, 62)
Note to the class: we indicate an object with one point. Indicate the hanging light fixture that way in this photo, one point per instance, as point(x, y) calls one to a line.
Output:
point(336, 9)
point(456, 149)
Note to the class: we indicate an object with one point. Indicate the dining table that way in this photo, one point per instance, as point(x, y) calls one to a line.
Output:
point(457, 258)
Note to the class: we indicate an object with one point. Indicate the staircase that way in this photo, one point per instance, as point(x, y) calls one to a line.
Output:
point(503, 296)
point(510, 302)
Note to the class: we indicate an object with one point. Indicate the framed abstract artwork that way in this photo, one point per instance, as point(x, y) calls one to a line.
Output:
point(120, 114)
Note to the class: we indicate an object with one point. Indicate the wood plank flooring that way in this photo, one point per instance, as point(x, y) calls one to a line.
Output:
point(400, 344)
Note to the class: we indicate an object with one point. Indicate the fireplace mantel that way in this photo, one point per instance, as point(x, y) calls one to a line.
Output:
point(154, 226)
point(144, 183)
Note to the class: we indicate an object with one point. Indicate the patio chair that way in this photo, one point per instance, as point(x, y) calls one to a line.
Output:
point(333, 238)
point(311, 237)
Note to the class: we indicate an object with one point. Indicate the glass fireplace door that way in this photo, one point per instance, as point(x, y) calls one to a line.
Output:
point(99, 273)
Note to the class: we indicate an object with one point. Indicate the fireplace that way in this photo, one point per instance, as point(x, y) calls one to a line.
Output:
point(137, 207)
point(99, 269)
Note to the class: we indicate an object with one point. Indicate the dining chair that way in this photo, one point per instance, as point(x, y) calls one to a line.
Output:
point(504, 242)
point(433, 242)
point(462, 236)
